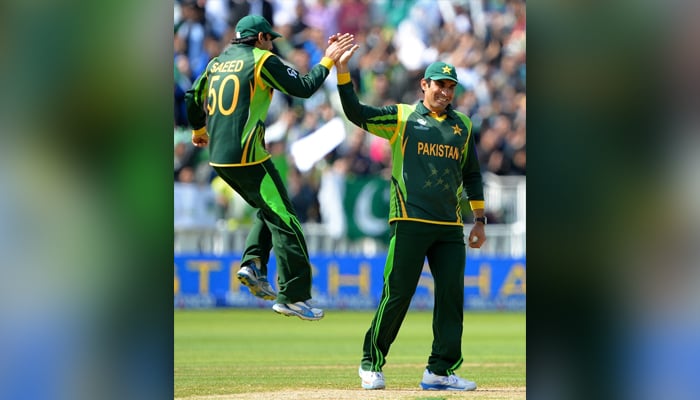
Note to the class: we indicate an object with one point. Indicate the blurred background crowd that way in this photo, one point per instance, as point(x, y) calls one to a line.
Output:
point(484, 39)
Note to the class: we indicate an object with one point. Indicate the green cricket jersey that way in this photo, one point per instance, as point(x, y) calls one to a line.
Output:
point(231, 98)
point(433, 159)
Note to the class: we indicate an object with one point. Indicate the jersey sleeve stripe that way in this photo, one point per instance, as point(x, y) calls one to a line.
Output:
point(400, 202)
point(259, 68)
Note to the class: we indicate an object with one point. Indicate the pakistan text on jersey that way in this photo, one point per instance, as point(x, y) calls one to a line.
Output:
point(438, 150)
point(228, 66)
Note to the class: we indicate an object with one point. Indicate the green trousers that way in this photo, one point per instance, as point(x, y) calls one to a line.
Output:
point(411, 242)
point(275, 227)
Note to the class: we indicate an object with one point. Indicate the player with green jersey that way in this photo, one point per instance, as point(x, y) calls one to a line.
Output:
point(226, 108)
point(434, 161)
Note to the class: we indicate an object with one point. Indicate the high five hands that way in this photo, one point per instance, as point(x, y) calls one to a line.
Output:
point(341, 48)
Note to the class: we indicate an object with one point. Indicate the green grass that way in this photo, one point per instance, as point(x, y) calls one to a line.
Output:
point(227, 351)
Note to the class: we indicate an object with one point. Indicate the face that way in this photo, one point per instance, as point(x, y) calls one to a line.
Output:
point(437, 95)
point(265, 40)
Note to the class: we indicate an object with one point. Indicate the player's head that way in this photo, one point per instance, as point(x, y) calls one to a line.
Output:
point(253, 28)
point(438, 85)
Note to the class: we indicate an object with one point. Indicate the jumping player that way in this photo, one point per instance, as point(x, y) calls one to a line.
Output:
point(229, 101)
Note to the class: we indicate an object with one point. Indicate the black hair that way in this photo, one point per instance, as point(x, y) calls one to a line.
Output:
point(250, 40)
point(427, 80)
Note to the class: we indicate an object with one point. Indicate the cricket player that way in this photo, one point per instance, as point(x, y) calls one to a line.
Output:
point(434, 161)
point(226, 107)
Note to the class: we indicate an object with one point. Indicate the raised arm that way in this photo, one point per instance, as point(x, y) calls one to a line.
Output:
point(379, 121)
point(288, 80)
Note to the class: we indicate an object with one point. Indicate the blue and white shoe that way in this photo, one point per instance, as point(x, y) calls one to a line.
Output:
point(257, 283)
point(299, 309)
point(371, 380)
point(438, 382)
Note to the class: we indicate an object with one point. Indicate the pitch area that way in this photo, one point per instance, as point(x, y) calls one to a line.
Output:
point(232, 354)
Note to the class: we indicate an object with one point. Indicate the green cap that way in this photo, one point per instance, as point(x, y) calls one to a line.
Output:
point(251, 25)
point(440, 70)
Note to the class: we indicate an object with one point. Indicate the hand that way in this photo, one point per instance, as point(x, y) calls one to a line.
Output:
point(342, 62)
point(200, 140)
point(338, 44)
point(332, 38)
point(477, 236)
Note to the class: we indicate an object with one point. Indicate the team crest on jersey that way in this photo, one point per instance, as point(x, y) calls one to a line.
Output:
point(292, 72)
point(422, 126)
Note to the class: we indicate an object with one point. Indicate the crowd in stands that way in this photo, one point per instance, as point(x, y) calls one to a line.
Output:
point(484, 39)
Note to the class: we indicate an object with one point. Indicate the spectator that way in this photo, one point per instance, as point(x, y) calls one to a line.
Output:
point(356, 154)
point(353, 16)
point(190, 35)
point(298, 27)
point(217, 13)
point(303, 194)
point(182, 83)
point(185, 156)
point(322, 15)
point(241, 8)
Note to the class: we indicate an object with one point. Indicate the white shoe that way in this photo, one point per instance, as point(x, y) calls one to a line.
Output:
point(299, 309)
point(251, 276)
point(438, 382)
point(371, 380)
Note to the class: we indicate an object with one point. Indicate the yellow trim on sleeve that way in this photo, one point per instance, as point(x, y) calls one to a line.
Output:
point(258, 70)
point(476, 204)
point(200, 132)
point(343, 78)
point(399, 127)
point(327, 62)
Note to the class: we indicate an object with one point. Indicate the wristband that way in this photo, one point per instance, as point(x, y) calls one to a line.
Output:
point(199, 132)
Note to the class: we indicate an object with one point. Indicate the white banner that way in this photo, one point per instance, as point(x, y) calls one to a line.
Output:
point(308, 150)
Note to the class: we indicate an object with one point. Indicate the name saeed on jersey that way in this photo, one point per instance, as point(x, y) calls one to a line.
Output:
point(438, 150)
point(228, 66)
